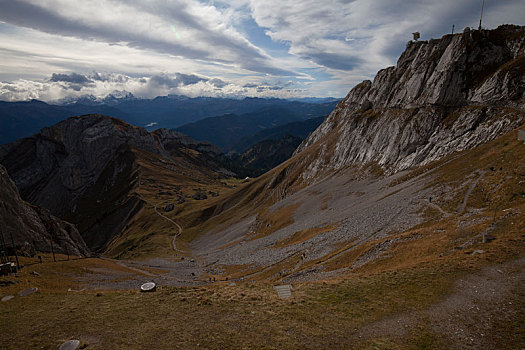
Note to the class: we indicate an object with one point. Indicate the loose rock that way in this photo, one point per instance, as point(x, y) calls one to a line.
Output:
point(4, 283)
point(199, 195)
point(27, 291)
point(8, 297)
point(70, 345)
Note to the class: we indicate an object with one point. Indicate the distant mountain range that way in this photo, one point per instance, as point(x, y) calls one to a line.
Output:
point(264, 155)
point(300, 129)
point(229, 130)
point(258, 153)
point(22, 119)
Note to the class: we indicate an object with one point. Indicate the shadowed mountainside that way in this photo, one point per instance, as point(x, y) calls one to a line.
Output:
point(85, 169)
point(264, 155)
point(32, 227)
point(227, 130)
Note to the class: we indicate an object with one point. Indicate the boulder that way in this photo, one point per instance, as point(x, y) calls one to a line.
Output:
point(27, 291)
point(70, 345)
point(27, 250)
point(8, 297)
point(199, 195)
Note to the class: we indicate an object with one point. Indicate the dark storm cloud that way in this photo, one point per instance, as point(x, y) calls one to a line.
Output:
point(261, 88)
point(115, 78)
point(218, 82)
point(162, 80)
point(188, 79)
point(70, 78)
point(179, 80)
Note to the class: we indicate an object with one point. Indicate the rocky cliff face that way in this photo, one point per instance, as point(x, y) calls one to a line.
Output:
point(443, 96)
point(55, 167)
point(33, 227)
point(84, 169)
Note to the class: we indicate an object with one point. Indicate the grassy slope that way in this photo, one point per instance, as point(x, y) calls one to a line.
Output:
point(321, 315)
point(405, 285)
point(495, 205)
point(162, 182)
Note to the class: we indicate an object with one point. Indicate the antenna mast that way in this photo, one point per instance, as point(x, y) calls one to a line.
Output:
point(481, 16)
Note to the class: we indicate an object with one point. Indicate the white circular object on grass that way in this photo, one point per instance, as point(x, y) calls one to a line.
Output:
point(70, 345)
point(148, 287)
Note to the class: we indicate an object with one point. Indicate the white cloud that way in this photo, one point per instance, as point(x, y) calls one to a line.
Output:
point(322, 47)
point(99, 85)
point(202, 31)
point(320, 31)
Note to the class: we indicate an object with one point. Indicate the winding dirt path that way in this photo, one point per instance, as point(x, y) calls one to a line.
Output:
point(179, 227)
point(435, 206)
point(461, 209)
point(466, 315)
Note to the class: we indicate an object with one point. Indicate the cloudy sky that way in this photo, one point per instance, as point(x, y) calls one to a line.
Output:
point(55, 49)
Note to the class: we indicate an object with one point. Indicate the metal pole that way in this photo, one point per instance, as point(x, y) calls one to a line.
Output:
point(4, 258)
point(481, 16)
point(452, 29)
point(14, 248)
point(53, 250)
point(12, 239)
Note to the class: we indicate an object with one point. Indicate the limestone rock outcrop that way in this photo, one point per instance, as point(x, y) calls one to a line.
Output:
point(443, 96)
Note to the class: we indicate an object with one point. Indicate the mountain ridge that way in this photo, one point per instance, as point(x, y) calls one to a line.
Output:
point(160, 112)
point(430, 104)
point(85, 170)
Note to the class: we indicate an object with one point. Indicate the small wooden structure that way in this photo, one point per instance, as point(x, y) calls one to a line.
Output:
point(7, 268)
point(284, 291)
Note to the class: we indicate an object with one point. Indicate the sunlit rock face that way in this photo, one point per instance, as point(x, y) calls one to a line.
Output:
point(443, 96)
